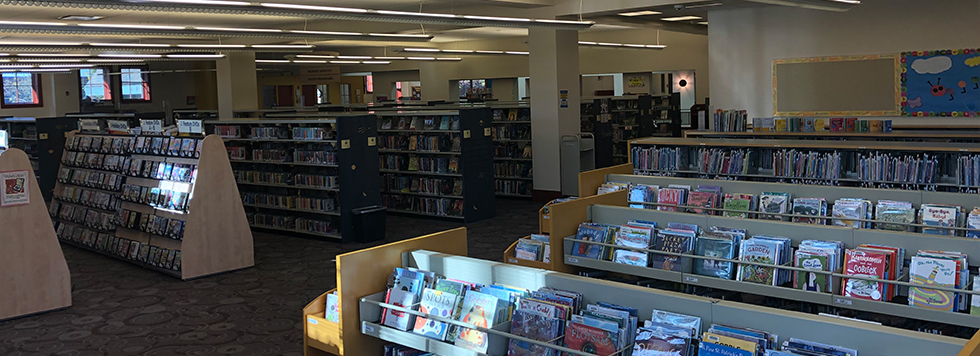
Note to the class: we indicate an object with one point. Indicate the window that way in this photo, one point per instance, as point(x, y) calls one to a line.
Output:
point(470, 88)
point(135, 84)
point(322, 94)
point(95, 85)
point(21, 89)
point(369, 83)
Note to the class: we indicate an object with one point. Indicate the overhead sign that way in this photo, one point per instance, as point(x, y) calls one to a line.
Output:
point(312, 75)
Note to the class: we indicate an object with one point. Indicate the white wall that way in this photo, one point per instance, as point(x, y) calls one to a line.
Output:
point(590, 84)
point(743, 42)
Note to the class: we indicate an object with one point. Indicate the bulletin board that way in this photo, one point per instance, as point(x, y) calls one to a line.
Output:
point(943, 83)
point(866, 85)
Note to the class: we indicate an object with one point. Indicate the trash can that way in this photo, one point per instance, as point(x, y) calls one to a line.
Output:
point(369, 223)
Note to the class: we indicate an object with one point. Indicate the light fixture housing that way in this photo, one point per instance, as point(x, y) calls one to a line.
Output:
point(829, 5)
point(304, 11)
point(640, 13)
point(142, 30)
point(680, 18)
point(621, 45)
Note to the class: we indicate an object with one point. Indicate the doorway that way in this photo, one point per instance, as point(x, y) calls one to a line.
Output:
point(345, 94)
point(284, 95)
point(309, 94)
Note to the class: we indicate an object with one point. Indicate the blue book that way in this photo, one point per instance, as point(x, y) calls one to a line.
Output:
point(589, 233)
point(709, 349)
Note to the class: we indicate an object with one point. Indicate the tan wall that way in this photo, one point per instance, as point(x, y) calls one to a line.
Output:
point(743, 43)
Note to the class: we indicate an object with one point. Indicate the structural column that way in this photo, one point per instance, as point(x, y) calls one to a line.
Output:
point(237, 84)
point(555, 103)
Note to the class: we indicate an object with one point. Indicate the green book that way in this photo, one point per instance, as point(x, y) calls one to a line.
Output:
point(809, 281)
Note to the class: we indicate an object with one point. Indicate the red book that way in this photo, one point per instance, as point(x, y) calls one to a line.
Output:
point(594, 340)
point(702, 199)
point(864, 264)
point(669, 196)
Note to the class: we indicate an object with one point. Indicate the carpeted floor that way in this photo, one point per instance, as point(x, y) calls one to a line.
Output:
point(123, 309)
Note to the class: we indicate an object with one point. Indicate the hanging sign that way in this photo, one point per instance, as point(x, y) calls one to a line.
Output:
point(15, 188)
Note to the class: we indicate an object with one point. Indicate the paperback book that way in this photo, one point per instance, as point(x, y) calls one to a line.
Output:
point(438, 303)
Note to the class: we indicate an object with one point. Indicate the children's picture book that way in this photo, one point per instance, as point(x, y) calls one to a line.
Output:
point(662, 339)
point(895, 215)
point(938, 216)
point(591, 339)
point(706, 348)
point(929, 271)
point(973, 222)
point(671, 196)
point(773, 202)
point(759, 251)
point(809, 207)
point(702, 199)
point(642, 193)
point(738, 202)
point(714, 247)
point(438, 303)
point(809, 281)
point(865, 264)
point(332, 312)
point(397, 319)
point(481, 310)
point(676, 242)
point(592, 233)
point(534, 326)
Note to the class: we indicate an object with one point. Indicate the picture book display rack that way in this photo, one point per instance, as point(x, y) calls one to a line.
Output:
point(174, 209)
point(35, 277)
point(359, 273)
point(304, 176)
point(512, 151)
point(869, 339)
point(438, 163)
point(797, 232)
point(903, 165)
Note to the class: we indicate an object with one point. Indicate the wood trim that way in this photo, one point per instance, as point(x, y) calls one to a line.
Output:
point(35, 275)
point(365, 272)
point(590, 181)
point(322, 338)
point(813, 144)
point(972, 347)
point(510, 258)
point(566, 217)
point(217, 237)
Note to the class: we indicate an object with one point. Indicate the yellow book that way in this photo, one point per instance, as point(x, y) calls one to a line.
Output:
point(730, 342)
point(780, 125)
point(818, 125)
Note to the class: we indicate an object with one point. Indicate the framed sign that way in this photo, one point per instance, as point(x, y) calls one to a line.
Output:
point(943, 83)
point(15, 188)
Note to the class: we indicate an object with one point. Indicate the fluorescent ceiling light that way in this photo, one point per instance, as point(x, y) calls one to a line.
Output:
point(314, 8)
point(281, 46)
point(492, 18)
point(51, 60)
point(376, 62)
point(681, 18)
point(32, 23)
point(314, 56)
point(129, 55)
point(195, 55)
point(308, 61)
point(640, 13)
point(328, 33)
point(622, 45)
point(133, 26)
point(271, 61)
point(423, 14)
point(657, 46)
point(344, 62)
point(211, 46)
point(586, 43)
point(66, 66)
point(458, 51)
point(421, 58)
point(80, 18)
point(148, 45)
point(19, 43)
point(702, 5)
point(609, 44)
point(397, 35)
point(55, 70)
point(391, 58)
point(564, 22)
point(703, 23)
point(354, 57)
point(6, 66)
point(811, 5)
point(203, 2)
point(52, 55)
point(490, 52)
point(421, 50)
point(238, 29)
point(448, 59)
point(518, 53)
point(103, 60)
point(4, 54)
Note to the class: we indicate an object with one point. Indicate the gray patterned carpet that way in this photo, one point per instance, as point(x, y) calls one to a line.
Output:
point(123, 309)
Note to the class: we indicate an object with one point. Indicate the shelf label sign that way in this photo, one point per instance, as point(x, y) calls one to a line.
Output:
point(151, 125)
point(15, 188)
point(344, 144)
point(466, 134)
point(189, 126)
point(486, 132)
point(571, 260)
point(118, 127)
point(843, 301)
point(372, 141)
point(367, 329)
point(689, 279)
point(89, 125)
point(312, 321)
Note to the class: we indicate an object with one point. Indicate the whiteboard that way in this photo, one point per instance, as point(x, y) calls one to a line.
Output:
point(836, 86)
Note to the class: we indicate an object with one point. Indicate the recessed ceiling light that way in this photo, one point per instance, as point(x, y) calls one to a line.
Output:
point(129, 55)
point(32, 23)
point(80, 18)
point(703, 23)
point(314, 56)
point(129, 45)
point(681, 18)
point(640, 13)
point(376, 62)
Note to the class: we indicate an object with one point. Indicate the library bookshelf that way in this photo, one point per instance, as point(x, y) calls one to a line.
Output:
point(304, 176)
point(898, 135)
point(512, 153)
point(942, 166)
point(175, 211)
point(36, 277)
point(619, 119)
point(360, 273)
point(43, 140)
point(438, 163)
point(868, 338)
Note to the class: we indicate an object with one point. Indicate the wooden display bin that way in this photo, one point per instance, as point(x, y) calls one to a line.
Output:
point(590, 181)
point(511, 258)
point(322, 337)
point(365, 272)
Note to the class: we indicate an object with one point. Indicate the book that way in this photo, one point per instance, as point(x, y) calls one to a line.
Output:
point(739, 202)
point(809, 281)
point(929, 271)
point(676, 242)
point(672, 196)
point(773, 202)
point(702, 199)
point(662, 339)
point(589, 232)
point(481, 310)
point(809, 207)
point(759, 251)
point(438, 303)
point(895, 215)
point(332, 312)
point(397, 319)
point(709, 246)
point(706, 348)
point(940, 216)
point(591, 339)
point(642, 193)
point(530, 324)
point(865, 264)
point(973, 222)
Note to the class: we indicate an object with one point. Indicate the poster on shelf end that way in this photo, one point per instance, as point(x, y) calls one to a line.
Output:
point(16, 190)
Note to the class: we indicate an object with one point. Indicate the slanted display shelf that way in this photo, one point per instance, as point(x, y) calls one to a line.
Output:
point(167, 203)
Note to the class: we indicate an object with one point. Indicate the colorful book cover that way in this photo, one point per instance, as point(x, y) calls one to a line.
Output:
point(544, 307)
point(332, 312)
point(941, 216)
point(973, 222)
point(975, 299)
point(659, 339)
point(759, 251)
point(865, 264)
point(770, 202)
point(632, 258)
point(712, 247)
point(895, 215)
point(809, 281)
point(702, 199)
point(739, 202)
point(671, 241)
point(810, 207)
point(642, 193)
point(590, 339)
point(397, 319)
point(837, 124)
point(669, 196)
point(436, 303)
point(533, 326)
point(589, 233)
point(479, 309)
point(928, 271)
point(706, 348)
